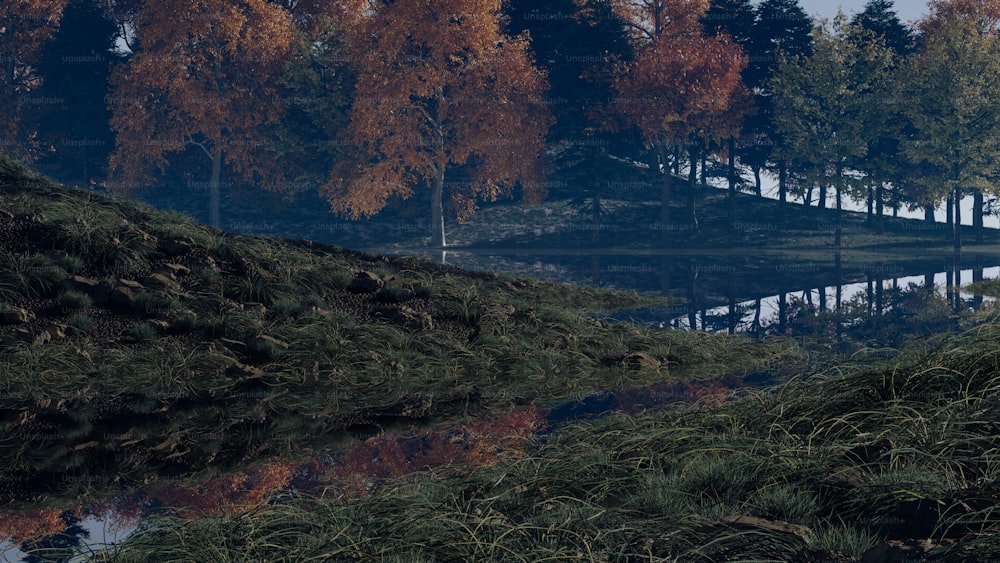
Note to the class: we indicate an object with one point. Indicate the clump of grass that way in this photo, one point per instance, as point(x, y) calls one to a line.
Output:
point(81, 321)
point(142, 332)
point(73, 264)
point(28, 276)
point(844, 540)
point(785, 502)
point(75, 300)
point(286, 306)
point(154, 303)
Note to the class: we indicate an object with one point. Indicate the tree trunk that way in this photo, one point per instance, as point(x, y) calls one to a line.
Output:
point(692, 185)
point(880, 208)
point(958, 219)
point(437, 210)
point(782, 187)
point(654, 160)
point(782, 182)
point(756, 182)
point(704, 168)
point(664, 201)
point(732, 178)
point(929, 213)
point(822, 196)
point(977, 214)
point(870, 217)
point(214, 190)
point(950, 215)
point(840, 210)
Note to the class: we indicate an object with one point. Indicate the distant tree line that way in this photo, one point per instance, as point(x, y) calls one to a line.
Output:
point(369, 101)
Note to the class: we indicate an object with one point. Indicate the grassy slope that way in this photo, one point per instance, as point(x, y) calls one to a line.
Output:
point(895, 460)
point(180, 349)
point(892, 462)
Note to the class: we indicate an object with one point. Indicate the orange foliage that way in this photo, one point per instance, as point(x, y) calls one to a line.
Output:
point(25, 25)
point(204, 77)
point(984, 13)
point(439, 85)
point(122, 511)
point(232, 491)
point(480, 443)
point(19, 526)
point(683, 87)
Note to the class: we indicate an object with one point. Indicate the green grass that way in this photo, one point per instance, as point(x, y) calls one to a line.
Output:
point(492, 341)
point(822, 464)
point(829, 465)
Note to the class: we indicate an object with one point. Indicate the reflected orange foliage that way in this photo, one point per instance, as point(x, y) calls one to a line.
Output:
point(480, 443)
point(19, 526)
point(233, 491)
point(709, 393)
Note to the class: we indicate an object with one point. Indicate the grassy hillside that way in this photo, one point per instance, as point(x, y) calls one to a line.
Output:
point(894, 462)
point(139, 347)
point(136, 345)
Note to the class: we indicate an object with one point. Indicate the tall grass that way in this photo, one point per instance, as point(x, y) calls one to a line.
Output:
point(824, 466)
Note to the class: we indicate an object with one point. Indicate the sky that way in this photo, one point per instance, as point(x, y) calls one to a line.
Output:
point(907, 10)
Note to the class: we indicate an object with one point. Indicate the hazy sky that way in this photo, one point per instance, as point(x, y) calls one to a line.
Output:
point(907, 10)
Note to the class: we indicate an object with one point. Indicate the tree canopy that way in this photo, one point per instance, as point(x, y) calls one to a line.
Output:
point(203, 78)
point(440, 86)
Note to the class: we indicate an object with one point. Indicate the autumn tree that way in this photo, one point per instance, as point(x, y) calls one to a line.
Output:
point(25, 26)
point(948, 91)
point(203, 79)
point(440, 86)
point(681, 91)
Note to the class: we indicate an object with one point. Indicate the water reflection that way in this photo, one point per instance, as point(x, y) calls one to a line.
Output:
point(767, 293)
point(899, 298)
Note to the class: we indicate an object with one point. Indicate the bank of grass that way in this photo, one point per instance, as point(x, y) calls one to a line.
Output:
point(256, 339)
point(889, 462)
